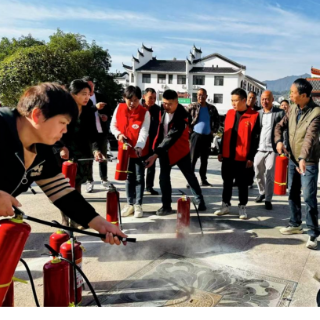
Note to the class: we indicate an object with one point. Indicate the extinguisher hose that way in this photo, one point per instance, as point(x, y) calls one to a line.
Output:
point(31, 282)
point(74, 265)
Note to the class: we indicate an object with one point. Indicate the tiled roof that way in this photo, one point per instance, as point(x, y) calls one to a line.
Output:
point(141, 54)
point(222, 58)
point(255, 80)
point(137, 60)
point(148, 49)
point(212, 70)
point(315, 71)
point(197, 50)
point(164, 65)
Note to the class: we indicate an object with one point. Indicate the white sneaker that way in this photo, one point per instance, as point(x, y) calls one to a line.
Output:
point(291, 230)
point(138, 212)
point(106, 184)
point(223, 210)
point(127, 210)
point(242, 212)
point(89, 186)
point(312, 243)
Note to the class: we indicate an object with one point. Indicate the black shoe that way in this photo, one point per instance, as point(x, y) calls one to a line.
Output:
point(202, 206)
point(152, 191)
point(260, 198)
point(164, 211)
point(205, 184)
point(268, 205)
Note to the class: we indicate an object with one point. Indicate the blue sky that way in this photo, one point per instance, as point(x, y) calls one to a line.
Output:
point(272, 38)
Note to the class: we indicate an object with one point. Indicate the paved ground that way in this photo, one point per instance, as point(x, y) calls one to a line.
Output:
point(235, 263)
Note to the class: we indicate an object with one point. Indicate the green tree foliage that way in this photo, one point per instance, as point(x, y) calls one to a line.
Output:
point(65, 57)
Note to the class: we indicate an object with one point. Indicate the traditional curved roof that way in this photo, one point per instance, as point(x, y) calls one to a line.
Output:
point(192, 55)
point(126, 66)
point(257, 81)
point(315, 71)
point(135, 59)
point(222, 58)
point(188, 60)
point(145, 48)
point(164, 65)
point(197, 50)
point(141, 54)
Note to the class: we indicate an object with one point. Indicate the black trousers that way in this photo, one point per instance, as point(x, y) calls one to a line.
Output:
point(184, 165)
point(150, 174)
point(200, 148)
point(231, 170)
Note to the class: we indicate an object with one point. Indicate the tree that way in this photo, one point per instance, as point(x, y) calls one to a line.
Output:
point(65, 57)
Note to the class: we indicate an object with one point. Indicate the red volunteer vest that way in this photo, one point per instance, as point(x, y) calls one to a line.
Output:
point(246, 124)
point(129, 123)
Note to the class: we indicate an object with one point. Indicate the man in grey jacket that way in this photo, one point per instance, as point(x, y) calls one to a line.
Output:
point(264, 160)
point(303, 124)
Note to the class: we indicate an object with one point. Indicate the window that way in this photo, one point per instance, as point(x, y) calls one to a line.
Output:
point(198, 80)
point(194, 97)
point(170, 78)
point(218, 80)
point(146, 78)
point(132, 77)
point(162, 78)
point(218, 98)
point(182, 79)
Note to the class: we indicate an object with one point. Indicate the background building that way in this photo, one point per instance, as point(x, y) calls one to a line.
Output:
point(315, 82)
point(216, 73)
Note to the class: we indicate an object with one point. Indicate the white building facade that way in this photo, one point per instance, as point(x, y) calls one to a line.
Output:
point(215, 73)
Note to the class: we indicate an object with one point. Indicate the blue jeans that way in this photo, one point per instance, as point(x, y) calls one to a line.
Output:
point(135, 181)
point(309, 187)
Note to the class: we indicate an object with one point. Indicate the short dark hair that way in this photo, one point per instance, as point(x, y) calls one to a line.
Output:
point(255, 94)
point(303, 86)
point(203, 89)
point(239, 92)
point(88, 78)
point(131, 91)
point(51, 98)
point(170, 95)
point(150, 90)
point(77, 85)
point(285, 101)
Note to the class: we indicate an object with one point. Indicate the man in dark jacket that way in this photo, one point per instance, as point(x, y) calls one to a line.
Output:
point(155, 116)
point(98, 103)
point(303, 125)
point(204, 124)
point(264, 160)
point(172, 148)
point(27, 134)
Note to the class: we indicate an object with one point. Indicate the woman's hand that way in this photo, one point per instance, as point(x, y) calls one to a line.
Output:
point(121, 137)
point(150, 161)
point(6, 203)
point(110, 230)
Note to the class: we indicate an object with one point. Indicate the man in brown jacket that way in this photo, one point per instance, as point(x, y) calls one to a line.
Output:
point(303, 125)
point(204, 123)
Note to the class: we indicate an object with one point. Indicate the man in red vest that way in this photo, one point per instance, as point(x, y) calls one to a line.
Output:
point(239, 144)
point(172, 148)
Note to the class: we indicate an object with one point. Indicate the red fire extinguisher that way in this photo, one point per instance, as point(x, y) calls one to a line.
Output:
point(57, 239)
point(13, 236)
point(69, 169)
point(9, 298)
point(113, 206)
point(122, 162)
point(280, 176)
point(183, 217)
point(56, 283)
point(65, 251)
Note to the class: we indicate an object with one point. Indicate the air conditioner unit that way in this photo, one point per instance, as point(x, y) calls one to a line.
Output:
point(195, 87)
point(184, 87)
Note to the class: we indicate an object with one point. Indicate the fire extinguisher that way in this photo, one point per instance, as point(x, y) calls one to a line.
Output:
point(280, 176)
point(69, 169)
point(57, 239)
point(113, 205)
point(56, 279)
point(122, 162)
point(183, 217)
point(13, 236)
point(65, 251)
point(9, 298)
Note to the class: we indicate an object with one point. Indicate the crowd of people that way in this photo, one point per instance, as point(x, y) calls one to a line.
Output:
point(52, 124)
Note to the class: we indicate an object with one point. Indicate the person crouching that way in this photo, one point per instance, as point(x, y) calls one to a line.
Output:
point(130, 123)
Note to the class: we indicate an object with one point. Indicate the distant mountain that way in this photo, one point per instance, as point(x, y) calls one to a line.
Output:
point(283, 85)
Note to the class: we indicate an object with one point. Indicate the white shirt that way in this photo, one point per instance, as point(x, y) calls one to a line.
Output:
point(93, 99)
point(143, 134)
point(167, 118)
point(265, 143)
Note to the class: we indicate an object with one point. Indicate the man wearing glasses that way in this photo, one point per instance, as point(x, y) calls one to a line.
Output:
point(204, 124)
